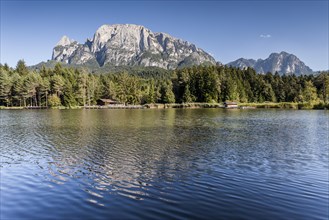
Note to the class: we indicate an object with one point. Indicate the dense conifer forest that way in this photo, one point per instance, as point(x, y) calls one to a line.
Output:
point(70, 87)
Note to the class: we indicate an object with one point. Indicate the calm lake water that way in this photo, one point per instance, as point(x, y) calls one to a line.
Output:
point(172, 164)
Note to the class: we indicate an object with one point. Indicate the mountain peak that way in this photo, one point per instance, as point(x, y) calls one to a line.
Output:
point(281, 54)
point(106, 28)
point(64, 41)
point(131, 45)
point(284, 53)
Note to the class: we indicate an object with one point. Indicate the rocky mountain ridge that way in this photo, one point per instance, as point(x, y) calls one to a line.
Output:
point(130, 45)
point(283, 63)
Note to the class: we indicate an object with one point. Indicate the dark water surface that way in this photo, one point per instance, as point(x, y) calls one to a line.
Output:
point(173, 164)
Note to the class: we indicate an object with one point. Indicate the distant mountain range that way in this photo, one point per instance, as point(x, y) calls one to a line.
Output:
point(283, 63)
point(130, 45)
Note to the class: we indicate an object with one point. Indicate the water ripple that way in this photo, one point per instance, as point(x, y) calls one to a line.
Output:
point(202, 163)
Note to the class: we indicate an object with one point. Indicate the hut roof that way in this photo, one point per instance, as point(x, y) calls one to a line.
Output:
point(109, 101)
point(230, 103)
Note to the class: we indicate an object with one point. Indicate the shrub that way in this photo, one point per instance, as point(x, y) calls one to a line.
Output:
point(54, 101)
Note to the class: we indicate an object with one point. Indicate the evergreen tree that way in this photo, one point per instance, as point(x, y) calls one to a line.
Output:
point(167, 95)
point(21, 68)
point(81, 90)
point(5, 87)
point(151, 98)
point(17, 90)
point(309, 93)
point(72, 86)
point(57, 84)
point(187, 96)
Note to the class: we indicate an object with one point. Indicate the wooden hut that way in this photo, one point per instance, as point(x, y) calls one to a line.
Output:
point(228, 104)
point(107, 102)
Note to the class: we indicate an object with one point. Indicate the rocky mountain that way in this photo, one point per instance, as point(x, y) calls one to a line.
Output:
point(130, 45)
point(283, 63)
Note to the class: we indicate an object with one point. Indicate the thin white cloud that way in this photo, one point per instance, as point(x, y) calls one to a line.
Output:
point(265, 36)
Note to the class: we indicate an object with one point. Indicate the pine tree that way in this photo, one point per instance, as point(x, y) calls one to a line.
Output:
point(309, 92)
point(151, 98)
point(5, 86)
point(187, 96)
point(167, 95)
point(21, 68)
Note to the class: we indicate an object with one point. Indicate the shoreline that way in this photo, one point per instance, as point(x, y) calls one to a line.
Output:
point(195, 105)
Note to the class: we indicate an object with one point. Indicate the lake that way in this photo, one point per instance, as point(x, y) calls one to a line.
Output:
point(164, 164)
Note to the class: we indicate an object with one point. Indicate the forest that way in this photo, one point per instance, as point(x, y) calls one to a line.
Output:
point(70, 87)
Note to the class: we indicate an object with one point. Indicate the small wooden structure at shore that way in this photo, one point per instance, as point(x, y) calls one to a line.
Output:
point(228, 104)
point(104, 102)
point(112, 104)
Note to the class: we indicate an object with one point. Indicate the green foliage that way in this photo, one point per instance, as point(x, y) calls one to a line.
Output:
point(5, 86)
point(62, 85)
point(187, 96)
point(167, 95)
point(21, 67)
point(128, 88)
point(54, 101)
point(151, 97)
point(57, 84)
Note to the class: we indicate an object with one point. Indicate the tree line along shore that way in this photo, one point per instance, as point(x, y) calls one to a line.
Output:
point(194, 87)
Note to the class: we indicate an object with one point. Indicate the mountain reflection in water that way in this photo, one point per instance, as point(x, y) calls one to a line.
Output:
point(173, 163)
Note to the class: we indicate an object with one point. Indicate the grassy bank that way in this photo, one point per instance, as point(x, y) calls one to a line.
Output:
point(10, 108)
point(27, 108)
point(286, 105)
point(184, 105)
point(280, 105)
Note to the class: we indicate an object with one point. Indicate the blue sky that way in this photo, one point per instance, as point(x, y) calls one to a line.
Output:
point(226, 29)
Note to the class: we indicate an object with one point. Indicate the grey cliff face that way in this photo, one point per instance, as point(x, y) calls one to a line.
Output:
point(131, 45)
point(283, 63)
